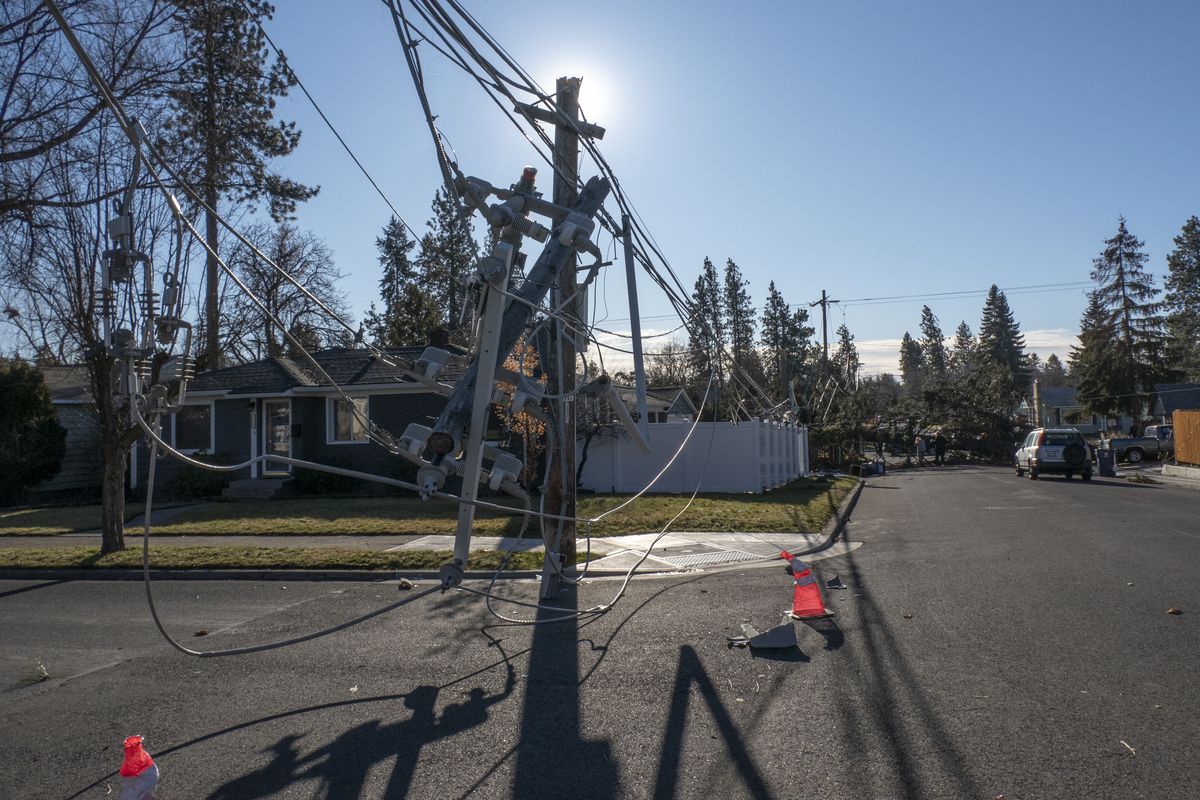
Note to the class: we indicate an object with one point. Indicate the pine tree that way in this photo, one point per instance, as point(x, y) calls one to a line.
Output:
point(739, 313)
point(409, 311)
point(845, 360)
point(746, 367)
point(1000, 339)
point(224, 127)
point(1096, 367)
point(912, 367)
point(1126, 293)
point(785, 343)
point(933, 345)
point(1053, 372)
point(448, 252)
point(775, 317)
point(962, 352)
point(1182, 302)
point(707, 334)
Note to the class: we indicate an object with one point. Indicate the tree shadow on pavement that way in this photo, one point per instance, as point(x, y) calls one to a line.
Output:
point(342, 765)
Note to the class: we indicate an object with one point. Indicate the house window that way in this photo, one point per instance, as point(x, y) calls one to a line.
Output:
point(193, 428)
point(657, 416)
point(347, 420)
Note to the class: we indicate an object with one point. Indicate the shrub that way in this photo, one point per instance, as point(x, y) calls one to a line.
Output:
point(32, 442)
point(314, 482)
point(195, 483)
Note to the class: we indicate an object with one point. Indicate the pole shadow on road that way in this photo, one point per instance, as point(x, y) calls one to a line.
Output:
point(690, 672)
point(923, 752)
point(551, 733)
point(31, 587)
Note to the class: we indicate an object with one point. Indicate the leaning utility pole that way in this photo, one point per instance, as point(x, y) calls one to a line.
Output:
point(560, 486)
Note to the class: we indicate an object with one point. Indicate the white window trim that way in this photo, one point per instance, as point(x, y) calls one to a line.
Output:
point(212, 429)
point(265, 471)
point(331, 426)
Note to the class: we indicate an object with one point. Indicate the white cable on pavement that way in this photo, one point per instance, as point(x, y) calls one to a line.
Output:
point(237, 651)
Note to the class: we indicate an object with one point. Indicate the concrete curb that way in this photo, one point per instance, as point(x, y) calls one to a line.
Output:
point(241, 574)
point(837, 523)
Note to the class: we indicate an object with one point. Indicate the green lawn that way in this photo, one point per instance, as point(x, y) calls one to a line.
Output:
point(803, 505)
point(252, 558)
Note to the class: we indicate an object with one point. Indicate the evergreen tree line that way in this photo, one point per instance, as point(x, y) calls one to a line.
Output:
point(1132, 337)
point(420, 285)
point(736, 360)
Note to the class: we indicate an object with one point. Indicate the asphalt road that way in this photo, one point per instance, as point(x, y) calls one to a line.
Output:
point(998, 637)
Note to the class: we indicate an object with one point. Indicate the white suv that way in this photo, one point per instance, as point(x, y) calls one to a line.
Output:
point(1059, 450)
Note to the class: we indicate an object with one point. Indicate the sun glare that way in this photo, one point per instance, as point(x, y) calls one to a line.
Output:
point(597, 95)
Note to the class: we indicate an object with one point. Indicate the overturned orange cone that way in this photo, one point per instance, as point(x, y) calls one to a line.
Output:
point(139, 774)
point(806, 596)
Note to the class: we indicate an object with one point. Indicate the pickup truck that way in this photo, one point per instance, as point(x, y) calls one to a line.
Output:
point(1159, 442)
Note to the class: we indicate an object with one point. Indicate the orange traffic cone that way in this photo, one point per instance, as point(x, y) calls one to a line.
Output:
point(139, 774)
point(806, 597)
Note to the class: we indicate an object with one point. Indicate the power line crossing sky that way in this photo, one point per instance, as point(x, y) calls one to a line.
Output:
point(915, 153)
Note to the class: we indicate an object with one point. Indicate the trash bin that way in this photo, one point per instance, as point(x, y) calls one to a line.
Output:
point(1106, 460)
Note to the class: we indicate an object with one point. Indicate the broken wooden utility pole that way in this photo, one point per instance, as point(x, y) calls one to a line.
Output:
point(560, 486)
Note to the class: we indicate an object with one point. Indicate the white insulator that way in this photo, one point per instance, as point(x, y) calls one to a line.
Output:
point(415, 438)
point(432, 361)
point(505, 467)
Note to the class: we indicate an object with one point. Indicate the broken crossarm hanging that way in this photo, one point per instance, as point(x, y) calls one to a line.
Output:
point(571, 233)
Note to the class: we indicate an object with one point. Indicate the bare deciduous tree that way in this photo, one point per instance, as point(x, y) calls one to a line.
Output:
point(253, 334)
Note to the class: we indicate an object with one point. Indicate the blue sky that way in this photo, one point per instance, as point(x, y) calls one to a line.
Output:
point(870, 149)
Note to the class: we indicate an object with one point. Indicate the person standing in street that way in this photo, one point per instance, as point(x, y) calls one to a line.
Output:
point(919, 445)
point(939, 449)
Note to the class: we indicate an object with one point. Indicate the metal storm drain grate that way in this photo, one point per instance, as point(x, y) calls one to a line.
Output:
point(718, 557)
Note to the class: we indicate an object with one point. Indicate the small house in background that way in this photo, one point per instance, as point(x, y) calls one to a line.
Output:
point(79, 476)
point(663, 403)
point(1171, 397)
point(278, 406)
point(1179, 405)
point(1056, 406)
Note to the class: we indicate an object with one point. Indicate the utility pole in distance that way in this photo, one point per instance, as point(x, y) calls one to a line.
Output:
point(824, 304)
point(560, 486)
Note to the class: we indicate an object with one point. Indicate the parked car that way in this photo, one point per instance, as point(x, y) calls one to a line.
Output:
point(1054, 450)
point(1159, 442)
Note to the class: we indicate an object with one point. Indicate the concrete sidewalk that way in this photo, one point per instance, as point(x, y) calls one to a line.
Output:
point(676, 551)
point(1176, 476)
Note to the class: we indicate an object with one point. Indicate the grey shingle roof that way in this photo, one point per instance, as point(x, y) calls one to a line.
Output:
point(1058, 396)
point(346, 366)
point(1176, 396)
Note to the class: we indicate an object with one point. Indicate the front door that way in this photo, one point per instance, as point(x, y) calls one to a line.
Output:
point(277, 435)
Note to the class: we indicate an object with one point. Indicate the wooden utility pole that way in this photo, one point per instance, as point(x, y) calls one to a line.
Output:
point(560, 489)
point(824, 304)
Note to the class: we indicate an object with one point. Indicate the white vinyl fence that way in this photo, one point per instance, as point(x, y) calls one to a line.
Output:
point(720, 456)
